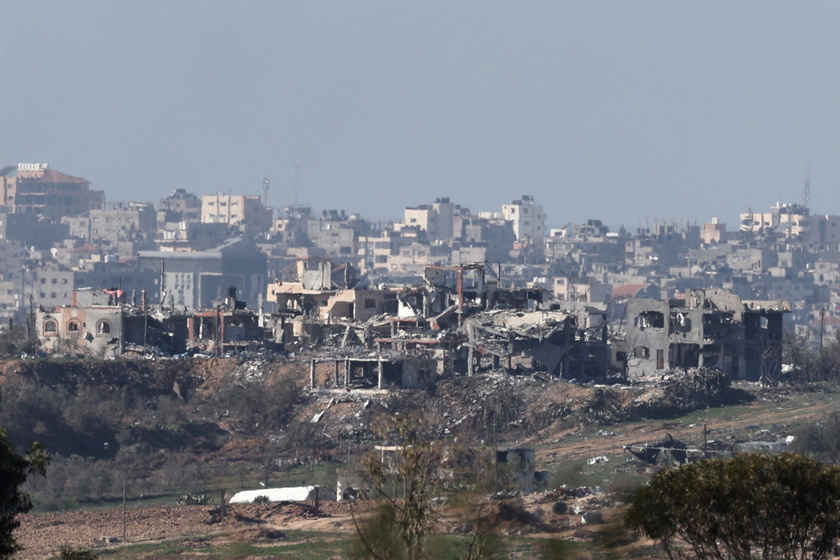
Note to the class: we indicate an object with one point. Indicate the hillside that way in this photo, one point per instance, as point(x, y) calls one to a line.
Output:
point(172, 427)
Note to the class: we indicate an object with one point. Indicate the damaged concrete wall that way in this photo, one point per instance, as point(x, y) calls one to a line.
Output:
point(646, 336)
point(97, 331)
point(710, 328)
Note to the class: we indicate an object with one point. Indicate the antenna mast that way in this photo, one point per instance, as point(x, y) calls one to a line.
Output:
point(808, 185)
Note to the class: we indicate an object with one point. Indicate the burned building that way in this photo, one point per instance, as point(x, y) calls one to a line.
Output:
point(34, 188)
point(229, 327)
point(709, 328)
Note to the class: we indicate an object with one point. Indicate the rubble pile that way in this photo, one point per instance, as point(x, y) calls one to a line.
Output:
point(684, 391)
point(250, 371)
point(528, 405)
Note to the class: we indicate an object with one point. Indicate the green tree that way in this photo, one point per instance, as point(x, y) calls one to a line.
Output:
point(749, 506)
point(14, 341)
point(67, 553)
point(407, 477)
point(406, 487)
point(14, 470)
point(820, 440)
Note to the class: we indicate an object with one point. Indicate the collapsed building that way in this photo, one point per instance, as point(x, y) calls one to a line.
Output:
point(102, 323)
point(460, 321)
point(570, 343)
point(708, 328)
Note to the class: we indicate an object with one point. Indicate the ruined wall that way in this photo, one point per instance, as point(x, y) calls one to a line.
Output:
point(647, 324)
point(96, 331)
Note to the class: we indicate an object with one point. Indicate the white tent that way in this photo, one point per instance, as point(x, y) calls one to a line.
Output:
point(291, 494)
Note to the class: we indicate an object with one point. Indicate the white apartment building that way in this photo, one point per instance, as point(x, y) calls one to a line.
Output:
point(528, 218)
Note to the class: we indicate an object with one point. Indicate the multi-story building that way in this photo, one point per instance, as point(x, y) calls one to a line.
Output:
point(528, 218)
point(714, 232)
point(196, 280)
point(437, 220)
point(332, 238)
point(180, 206)
point(791, 220)
point(243, 211)
point(709, 328)
point(190, 236)
point(34, 188)
point(134, 222)
point(53, 287)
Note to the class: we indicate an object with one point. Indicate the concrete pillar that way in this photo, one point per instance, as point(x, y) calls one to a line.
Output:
point(470, 364)
point(311, 374)
point(379, 372)
point(335, 372)
point(347, 372)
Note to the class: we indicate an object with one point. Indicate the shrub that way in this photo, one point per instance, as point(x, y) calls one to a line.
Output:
point(787, 506)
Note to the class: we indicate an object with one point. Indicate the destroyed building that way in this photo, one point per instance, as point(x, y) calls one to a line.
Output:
point(230, 327)
point(708, 328)
point(325, 292)
point(381, 371)
point(100, 324)
point(459, 321)
point(568, 342)
point(104, 323)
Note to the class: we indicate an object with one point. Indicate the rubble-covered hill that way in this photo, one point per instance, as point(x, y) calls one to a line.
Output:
point(498, 406)
point(68, 397)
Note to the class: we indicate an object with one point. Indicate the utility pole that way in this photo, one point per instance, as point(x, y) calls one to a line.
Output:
point(123, 510)
point(23, 301)
point(265, 192)
point(162, 282)
point(822, 327)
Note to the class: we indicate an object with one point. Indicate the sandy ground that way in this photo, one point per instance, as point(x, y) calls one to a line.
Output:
point(43, 535)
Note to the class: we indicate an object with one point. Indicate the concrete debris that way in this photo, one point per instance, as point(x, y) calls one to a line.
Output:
point(649, 452)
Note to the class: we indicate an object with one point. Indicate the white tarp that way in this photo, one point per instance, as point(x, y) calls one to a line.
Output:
point(291, 494)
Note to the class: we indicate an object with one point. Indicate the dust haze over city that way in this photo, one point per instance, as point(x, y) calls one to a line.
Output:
point(420, 280)
point(618, 111)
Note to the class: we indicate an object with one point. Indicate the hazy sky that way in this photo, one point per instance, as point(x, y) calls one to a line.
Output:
point(615, 110)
